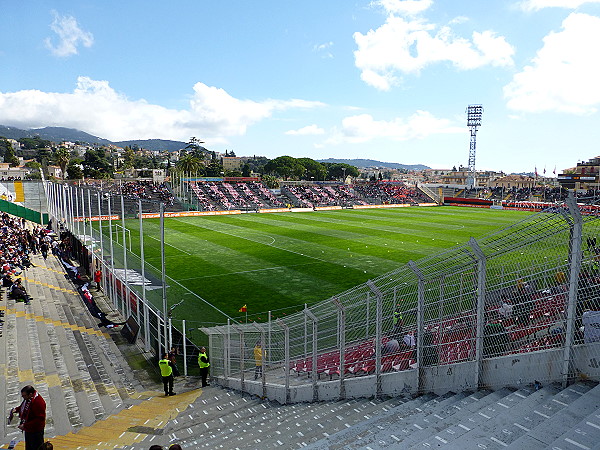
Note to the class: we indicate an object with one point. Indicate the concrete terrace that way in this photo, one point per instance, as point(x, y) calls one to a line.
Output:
point(93, 397)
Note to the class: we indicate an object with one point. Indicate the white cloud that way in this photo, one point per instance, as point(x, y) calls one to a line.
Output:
point(404, 7)
point(323, 50)
point(310, 130)
point(97, 108)
point(69, 36)
point(408, 46)
point(536, 5)
point(564, 74)
point(363, 128)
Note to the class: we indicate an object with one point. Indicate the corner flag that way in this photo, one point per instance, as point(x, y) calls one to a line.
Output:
point(243, 309)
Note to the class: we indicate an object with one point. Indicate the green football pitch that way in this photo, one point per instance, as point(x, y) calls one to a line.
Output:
point(279, 262)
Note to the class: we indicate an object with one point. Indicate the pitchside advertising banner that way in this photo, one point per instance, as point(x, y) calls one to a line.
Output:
point(134, 278)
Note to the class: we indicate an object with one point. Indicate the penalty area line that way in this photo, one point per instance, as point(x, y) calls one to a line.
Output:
point(248, 271)
point(171, 245)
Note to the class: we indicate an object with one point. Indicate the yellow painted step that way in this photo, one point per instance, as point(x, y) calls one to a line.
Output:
point(115, 431)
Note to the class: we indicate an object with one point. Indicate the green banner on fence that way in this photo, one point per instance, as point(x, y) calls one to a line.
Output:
point(20, 211)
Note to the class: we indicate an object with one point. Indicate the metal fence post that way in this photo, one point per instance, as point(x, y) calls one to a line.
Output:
point(420, 321)
point(143, 269)
point(242, 362)
point(286, 357)
point(342, 345)
point(378, 336)
point(227, 353)
point(264, 354)
point(183, 331)
point(314, 320)
point(575, 257)
point(481, 288)
point(367, 319)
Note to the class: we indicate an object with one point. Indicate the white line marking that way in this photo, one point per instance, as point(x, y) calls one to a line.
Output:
point(498, 441)
point(576, 444)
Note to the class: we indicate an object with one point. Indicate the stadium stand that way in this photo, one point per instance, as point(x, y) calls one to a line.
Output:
point(390, 192)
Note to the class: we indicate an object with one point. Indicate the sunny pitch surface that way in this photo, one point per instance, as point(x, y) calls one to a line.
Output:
point(280, 261)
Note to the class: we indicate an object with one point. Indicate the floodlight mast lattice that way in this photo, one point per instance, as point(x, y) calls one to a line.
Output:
point(474, 114)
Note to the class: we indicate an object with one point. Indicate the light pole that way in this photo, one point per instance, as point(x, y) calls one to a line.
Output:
point(474, 113)
point(344, 170)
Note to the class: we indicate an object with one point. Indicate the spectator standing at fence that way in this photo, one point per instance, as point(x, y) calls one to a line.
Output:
point(397, 322)
point(166, 372)
point(173, 359)
point(32, 413)
point(98, 279)
point(259, 354)
point(204, 363)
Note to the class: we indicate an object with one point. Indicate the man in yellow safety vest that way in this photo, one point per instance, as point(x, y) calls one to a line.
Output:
point(204, 364)
point(166, 371)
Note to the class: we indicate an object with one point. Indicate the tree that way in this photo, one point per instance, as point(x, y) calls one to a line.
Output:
point(4, 144)
point(62, 158)
point(312, 169)
point(337, 171)
point(189, 163)
point(271, 181)
point(10, 157)
point(285, 167)
point(128, 158)
point(96, 164)
point(74, 169)
point(194, 147)
point(43, 155)
point(214, 169)
point(34, 142)
point(246, 170)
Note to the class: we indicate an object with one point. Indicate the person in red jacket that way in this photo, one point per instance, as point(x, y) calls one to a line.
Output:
point(98, 278)
point(32, 413)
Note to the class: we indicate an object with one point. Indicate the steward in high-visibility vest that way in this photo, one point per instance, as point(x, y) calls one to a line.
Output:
point(204, 364)
point(398, 322)
point(166, 371)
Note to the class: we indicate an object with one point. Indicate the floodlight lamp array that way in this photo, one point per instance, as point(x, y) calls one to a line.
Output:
point(474, 115)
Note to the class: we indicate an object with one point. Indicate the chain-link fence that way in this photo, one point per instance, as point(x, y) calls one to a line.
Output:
point(517, 306)
point(124, 237)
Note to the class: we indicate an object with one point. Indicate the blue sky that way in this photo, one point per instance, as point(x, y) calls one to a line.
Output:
point(387, 80)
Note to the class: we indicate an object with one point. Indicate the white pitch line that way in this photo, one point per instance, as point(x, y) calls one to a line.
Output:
point(252, 240)
point(171, 245)
point(246, 271)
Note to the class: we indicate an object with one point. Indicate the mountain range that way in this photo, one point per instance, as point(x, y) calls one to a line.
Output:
point(60, 134)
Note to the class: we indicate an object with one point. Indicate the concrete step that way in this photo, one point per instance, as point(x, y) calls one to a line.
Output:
point(560, 422)
point(456, 432)
point(509, 427)
point(312, 429)
point(446, 418)
point(584, 435)
point(374, 425)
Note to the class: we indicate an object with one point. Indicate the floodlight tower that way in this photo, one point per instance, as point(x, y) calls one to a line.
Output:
point(474, 113)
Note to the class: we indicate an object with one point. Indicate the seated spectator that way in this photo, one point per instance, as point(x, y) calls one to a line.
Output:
point(7, 280)
point(496, 339)
point(390, 347)
point(409, 340)
point(506, 309)
point(18, 293)
point(522, 303)
point(591, 326)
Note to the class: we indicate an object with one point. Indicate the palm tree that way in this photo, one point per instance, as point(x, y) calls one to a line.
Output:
point(189, 163)
point(62, 158)
point(195, 148)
